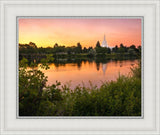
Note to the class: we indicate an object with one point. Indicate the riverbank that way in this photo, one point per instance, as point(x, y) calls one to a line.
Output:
point(81, 56)
point(115, 98)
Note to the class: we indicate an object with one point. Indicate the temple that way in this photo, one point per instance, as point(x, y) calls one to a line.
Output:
point(104, 43)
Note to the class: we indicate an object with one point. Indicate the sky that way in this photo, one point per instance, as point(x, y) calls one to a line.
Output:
point(87, 31)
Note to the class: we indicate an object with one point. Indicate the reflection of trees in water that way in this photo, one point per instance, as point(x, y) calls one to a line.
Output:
point(98, 66)
point(63, 62)
point(104, 64)
point(85, 61)
point(99, 63)
point(102, 60)
point(78, 63)
point(104, 67)
point(90, 61)
point(58, 65)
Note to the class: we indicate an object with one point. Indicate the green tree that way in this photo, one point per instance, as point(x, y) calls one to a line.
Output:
point(92, 53)
point(85, 50)
point(115, 49)
point(79, 48)
point(31, 84)
point(121, 49)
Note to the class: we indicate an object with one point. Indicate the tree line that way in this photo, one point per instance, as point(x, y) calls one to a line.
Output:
point(62, 49)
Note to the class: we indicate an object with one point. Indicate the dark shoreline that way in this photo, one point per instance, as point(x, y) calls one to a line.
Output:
point(79, 57)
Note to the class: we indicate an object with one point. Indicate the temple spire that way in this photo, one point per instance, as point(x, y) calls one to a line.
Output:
point(104, 43)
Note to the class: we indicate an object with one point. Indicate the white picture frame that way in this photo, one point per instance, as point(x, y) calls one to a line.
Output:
point(148, 124)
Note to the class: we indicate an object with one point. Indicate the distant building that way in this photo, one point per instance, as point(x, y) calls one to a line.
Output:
point(104, 43)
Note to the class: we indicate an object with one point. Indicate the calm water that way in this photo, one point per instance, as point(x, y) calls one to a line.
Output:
point(83, 72)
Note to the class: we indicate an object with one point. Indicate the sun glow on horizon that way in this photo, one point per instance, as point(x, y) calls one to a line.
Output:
point(70, 31)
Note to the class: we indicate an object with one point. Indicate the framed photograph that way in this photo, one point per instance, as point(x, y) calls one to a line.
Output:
point(91, 78)
point(80, 67)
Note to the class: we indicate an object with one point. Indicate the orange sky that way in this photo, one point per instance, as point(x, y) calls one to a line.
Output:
point(68, 32)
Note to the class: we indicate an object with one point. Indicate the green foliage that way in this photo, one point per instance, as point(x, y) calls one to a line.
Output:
point(31, 84)
point(120, 98)
point(136, 71)
point(23, 63)
point(92, 53)
point(44, 61)
point(116, 98)
point(27, 50)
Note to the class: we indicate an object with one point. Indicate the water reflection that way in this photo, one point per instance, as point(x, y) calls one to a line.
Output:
point(98, 66)
point(104, 67)
point(76, 72)
point(79, 64)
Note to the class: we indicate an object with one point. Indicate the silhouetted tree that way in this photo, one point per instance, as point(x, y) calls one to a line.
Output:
point(121, 45)
point(85, 50)
point(79, 48)
point(98, 44)
point(31, 44)
point(121, 49)
point(115, 49)
point(133, 47)
point(108, 50)
point(56, 45)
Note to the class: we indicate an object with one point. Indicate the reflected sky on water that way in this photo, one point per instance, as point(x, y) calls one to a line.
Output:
point(84, 72)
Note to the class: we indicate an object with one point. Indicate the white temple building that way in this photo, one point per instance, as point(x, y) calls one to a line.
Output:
point(104, 43)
